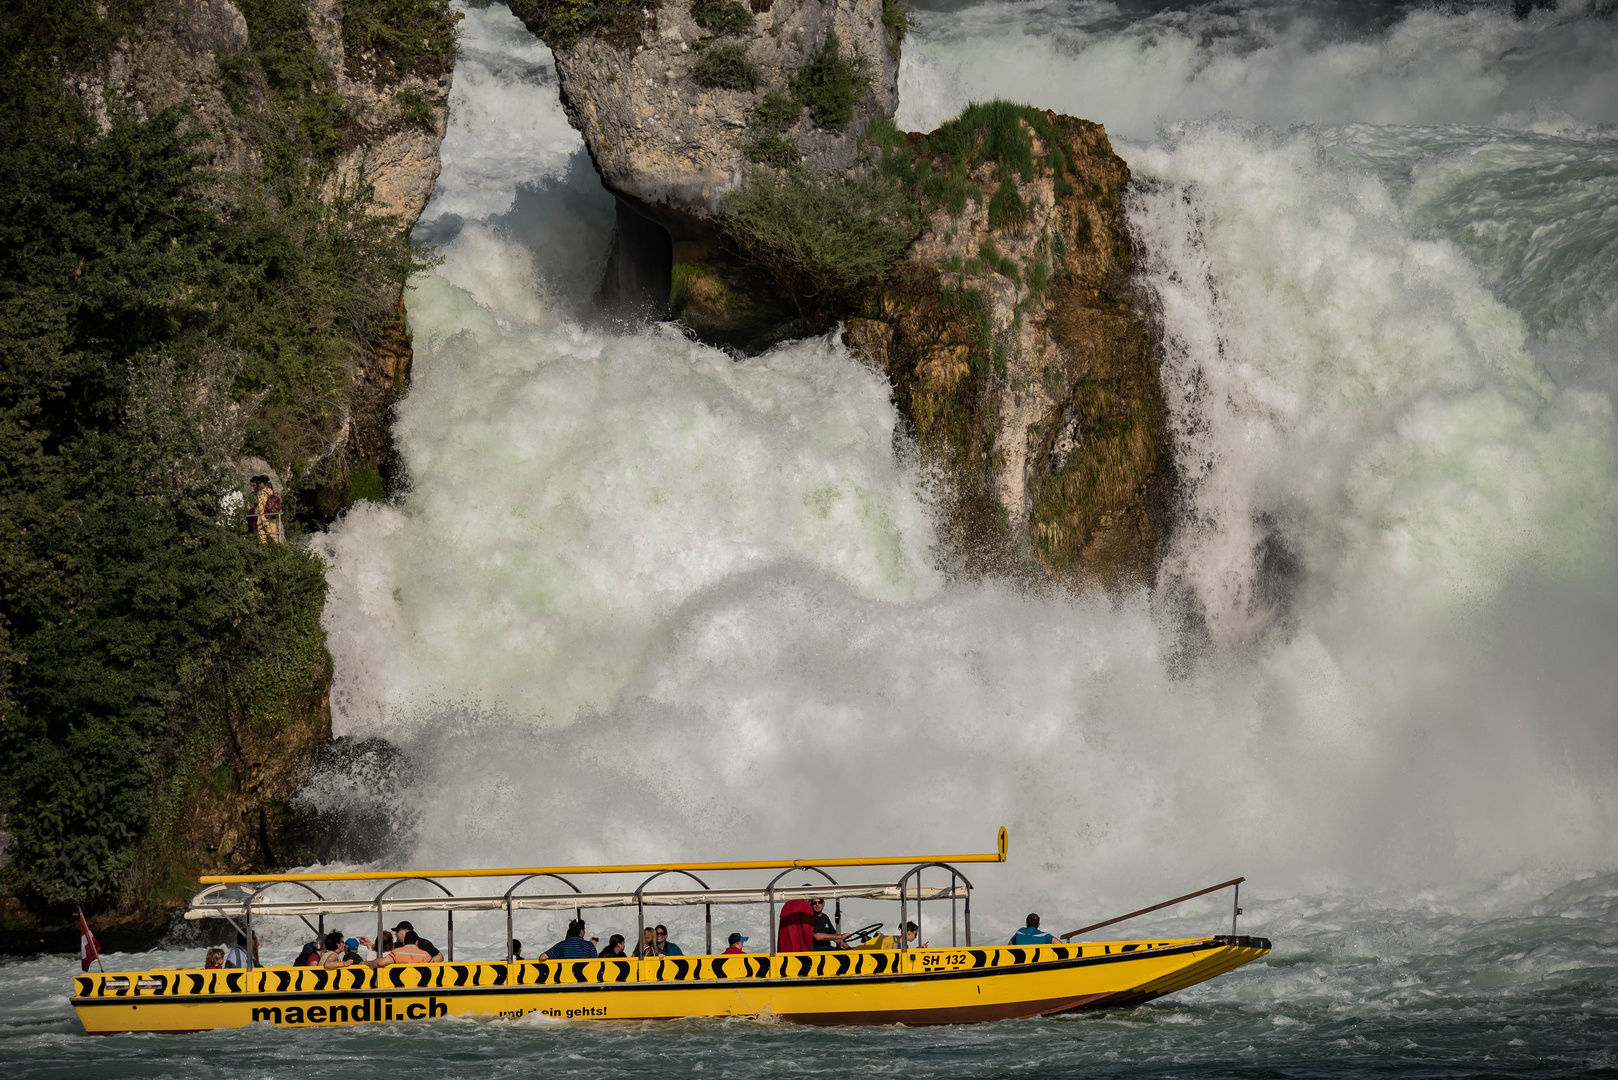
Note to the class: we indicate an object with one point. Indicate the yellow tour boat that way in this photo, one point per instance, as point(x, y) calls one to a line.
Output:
point(883, 981)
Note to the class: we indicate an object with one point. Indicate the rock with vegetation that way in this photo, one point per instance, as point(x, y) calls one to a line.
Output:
point(1019, 348)
point(201, 261)
point(984, 268)
point(676, 100)
point(680, 102)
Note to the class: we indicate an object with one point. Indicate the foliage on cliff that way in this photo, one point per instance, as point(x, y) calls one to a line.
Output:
point(561, 23)
point(157, 317)
point(823, 238)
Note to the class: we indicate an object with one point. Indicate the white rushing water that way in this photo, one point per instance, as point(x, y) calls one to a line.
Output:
point(644, 600)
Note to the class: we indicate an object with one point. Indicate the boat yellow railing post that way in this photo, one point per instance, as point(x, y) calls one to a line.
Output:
point(449, 916)
point(641, 910)
point(770, 891)
point(577, 913)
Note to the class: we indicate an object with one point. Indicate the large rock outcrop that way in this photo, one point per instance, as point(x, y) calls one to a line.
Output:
point(1019, 349)
point(1022, 353)
point(671, 147)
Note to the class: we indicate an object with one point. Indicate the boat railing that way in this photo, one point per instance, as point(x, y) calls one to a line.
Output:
point(1235, 908)
point(577, 913)
point(449, 913)
point(904, 918)
point(640, 911)
point(243, 896)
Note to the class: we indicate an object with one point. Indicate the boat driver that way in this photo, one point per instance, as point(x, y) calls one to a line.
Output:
point(826, 935)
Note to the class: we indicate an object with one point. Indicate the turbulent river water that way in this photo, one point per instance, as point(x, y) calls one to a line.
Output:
point(644, 601)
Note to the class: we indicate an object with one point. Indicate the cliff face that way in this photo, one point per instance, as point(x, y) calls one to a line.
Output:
point(232, 198)
point(670, 130)
point(678, 101)
point(1020, 351)
point(188, 53)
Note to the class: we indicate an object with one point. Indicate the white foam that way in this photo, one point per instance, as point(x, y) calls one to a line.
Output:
point(506, 124)
point(1274, 64)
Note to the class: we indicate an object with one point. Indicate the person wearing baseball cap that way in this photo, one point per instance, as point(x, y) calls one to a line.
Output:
point(736, 941)
point(405, 934)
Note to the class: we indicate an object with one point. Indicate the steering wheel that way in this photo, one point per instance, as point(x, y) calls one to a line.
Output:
point(862, 935)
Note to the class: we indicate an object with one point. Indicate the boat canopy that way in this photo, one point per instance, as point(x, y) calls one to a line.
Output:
point(243, 897)
point(221, 901)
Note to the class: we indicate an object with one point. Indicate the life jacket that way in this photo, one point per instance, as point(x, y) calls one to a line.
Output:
point(410, 954)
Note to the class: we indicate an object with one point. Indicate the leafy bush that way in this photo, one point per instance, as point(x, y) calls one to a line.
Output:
point(768, 148)
point(416, 37)
point(725, 65)
point(561, 23)
point(722, 16)
point(899, 19)
point(830, 83)
point(775, 113)
point(153, 315)
point(414, 108)
point(825, 238)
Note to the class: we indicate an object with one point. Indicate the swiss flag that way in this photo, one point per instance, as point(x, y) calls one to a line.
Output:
point(89, 949)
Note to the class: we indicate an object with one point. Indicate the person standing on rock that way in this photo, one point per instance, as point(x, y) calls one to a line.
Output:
point(265, 520)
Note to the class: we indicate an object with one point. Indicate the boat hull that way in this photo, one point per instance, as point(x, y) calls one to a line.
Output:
point(921, 986)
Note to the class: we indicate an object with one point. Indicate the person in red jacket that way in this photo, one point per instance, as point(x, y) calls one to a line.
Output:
point(797, 927)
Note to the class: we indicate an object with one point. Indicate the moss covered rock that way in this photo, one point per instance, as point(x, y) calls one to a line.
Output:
point(1019, 348)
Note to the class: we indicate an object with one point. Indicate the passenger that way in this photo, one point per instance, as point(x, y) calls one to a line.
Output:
point(408, 950)
point(648, 943)
point(334, 955)
point(309, 955)
point(215, 958)
point(1031, 934)
point(432, 950)
point(572, 947)
point(664, 945)
point(614, 949)
point(239, 957)
point(736, 943)
point(384, 951)
point(516, 951)
point(796, 930)
point(826, 935)
point(351, 949)
point(912, 932)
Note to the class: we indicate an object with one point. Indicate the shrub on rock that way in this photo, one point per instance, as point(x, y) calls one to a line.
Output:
point(721, 17)
point(725, 65)
point(830, 83)
point(825, 238)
